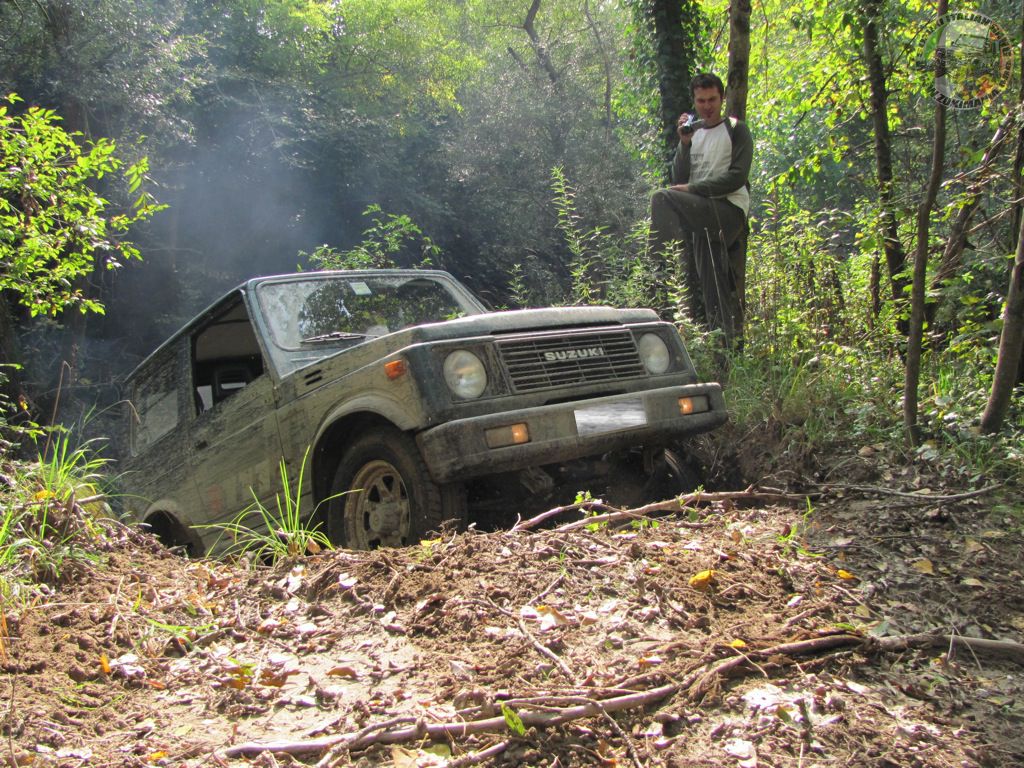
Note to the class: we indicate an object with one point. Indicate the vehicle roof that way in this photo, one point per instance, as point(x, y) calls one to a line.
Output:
point(250, 285)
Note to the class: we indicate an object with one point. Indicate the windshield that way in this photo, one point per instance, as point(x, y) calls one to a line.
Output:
point(342, 310)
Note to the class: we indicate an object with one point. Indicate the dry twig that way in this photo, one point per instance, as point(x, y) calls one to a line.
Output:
point(919, 498)
point(671, 505)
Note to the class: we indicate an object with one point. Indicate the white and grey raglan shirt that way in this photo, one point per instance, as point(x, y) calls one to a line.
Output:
point(717, 163)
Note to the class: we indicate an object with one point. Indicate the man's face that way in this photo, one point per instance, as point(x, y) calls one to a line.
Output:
point(708, 103)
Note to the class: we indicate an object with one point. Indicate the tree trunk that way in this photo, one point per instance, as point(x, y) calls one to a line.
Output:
point(538, 45)
point(875, 290)
point(605, 62)
point(739, 57)
point(676, 24)
point(1011, 342)
point(1018, 173)
point(915, 332)
point(895, 257)
point(60, 20)
point(1010, 363)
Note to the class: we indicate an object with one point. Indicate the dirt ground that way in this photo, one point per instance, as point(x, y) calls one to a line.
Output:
point(829, 625)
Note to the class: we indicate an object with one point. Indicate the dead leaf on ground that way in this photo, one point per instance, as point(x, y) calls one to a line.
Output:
point(343, 670)
point(702, 580)
point(924, 565)
point(551, 617)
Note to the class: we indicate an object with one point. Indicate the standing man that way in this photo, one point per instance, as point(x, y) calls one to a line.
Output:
point(707, 205)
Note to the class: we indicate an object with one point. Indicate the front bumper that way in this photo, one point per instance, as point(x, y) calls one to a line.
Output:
point(457, 450)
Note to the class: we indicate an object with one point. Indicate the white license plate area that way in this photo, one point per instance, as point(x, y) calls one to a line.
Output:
point(610, 417)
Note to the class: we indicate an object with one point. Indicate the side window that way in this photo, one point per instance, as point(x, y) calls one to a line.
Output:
point(155, 397)
point(225, 357)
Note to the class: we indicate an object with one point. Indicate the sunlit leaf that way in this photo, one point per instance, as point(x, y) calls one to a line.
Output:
point(513, 721)
point(702, 580)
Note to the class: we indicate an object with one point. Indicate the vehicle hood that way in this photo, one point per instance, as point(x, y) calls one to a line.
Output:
point(524, 320)
point(476, 326)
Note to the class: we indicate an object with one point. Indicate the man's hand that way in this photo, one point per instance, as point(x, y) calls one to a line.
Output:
point(685, 137)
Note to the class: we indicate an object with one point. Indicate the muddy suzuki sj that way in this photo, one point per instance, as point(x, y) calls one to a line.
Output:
point(390, 392)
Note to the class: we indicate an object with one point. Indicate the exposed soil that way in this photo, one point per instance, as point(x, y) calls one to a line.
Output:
point(732, 633)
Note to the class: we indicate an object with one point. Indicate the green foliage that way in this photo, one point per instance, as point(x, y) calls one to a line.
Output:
point(393, 240)
point(512, 720)
point(518, 290)
point(52, 508)
point(274, 534)
point(606, 268)
point(128, 70)
point(54, 229)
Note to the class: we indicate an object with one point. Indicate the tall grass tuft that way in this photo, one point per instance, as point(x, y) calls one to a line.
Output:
point(274, 534)
point(50, 512)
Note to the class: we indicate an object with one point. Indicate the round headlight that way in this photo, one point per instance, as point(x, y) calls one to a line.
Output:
point(653, 353)
point(464, 374)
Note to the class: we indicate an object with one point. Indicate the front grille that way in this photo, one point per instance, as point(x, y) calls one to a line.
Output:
point(558, 360)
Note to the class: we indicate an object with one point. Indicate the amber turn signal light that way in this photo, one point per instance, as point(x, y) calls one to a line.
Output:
point(394, 369)
point(688, 405)
point(513, 434)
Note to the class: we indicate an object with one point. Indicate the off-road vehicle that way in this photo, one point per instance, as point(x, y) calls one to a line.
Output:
point(391, 392)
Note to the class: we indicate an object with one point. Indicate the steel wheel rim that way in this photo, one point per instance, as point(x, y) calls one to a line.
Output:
point(377, 509)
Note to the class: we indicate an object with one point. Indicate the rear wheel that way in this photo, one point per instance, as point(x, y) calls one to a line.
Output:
point(383, 495)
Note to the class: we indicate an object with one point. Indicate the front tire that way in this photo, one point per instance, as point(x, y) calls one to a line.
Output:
point(673, 476)
point(383, 496)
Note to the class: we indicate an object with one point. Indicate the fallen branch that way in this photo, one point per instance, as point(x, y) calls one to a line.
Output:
point(700, 681)
point(533, 522)
point(478, 757)
point(613, 517)
point(1005, 648)
point(920, 498)
point(689, 501)
point(546, 652)
point(444, 731)
point(343, 745)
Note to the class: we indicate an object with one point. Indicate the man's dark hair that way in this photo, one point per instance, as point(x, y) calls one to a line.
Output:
point(707, 80)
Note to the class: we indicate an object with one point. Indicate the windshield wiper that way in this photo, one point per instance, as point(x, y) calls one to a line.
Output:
point(334, 336)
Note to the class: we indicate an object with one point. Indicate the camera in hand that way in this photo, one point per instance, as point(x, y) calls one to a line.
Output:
point(691, 125)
